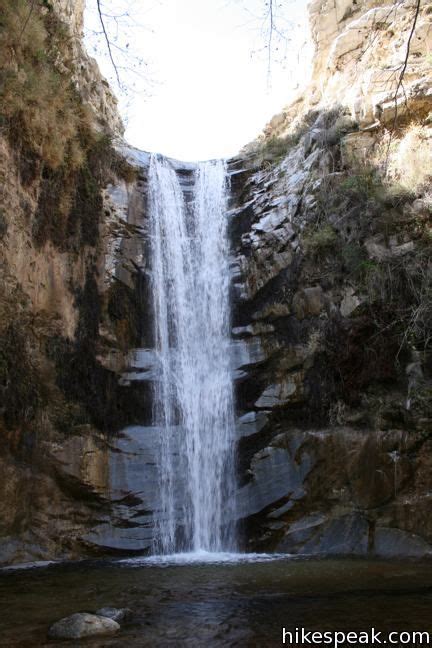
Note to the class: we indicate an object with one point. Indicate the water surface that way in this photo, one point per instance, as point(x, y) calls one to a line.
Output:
point(217, 604)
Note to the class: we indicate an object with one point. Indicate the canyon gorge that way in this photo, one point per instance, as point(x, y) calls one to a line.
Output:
point(319, 319)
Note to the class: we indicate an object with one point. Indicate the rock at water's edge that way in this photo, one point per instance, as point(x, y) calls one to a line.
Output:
point(116, 614)
point(82, 624)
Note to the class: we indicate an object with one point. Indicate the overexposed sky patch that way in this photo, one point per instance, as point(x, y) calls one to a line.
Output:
point(205, 91)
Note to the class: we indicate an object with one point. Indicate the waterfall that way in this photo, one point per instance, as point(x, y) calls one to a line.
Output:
point(193, 396)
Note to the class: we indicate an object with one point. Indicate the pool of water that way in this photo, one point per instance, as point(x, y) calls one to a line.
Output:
point(203, 602)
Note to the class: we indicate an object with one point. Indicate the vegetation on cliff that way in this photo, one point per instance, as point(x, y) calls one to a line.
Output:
point(63, 163)
point(40, 108)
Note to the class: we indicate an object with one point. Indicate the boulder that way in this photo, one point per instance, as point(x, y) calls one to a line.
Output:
point(350, 302)
point(81, 625)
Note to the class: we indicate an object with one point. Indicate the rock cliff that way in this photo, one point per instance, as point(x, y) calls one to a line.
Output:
point(368, 59)
point(66, 318)
point(331, 227)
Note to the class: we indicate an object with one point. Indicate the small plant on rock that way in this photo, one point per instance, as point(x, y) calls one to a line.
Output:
point(320, 241)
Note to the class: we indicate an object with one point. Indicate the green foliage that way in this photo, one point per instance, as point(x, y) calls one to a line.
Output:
point(362, 203)
point(363, 185)
point(275, 146)
point(368, 267)
point(274, 149)
point(394, 195)
point(320, 241)
point(354, 258)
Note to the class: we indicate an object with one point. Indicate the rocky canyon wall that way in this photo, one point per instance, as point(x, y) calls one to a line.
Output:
point(331, 227)
point(69, 290)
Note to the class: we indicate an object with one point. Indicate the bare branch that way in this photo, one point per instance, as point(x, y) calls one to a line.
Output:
point(270, 39)
point(401, 77)
point(107, 40)
point(32, 5)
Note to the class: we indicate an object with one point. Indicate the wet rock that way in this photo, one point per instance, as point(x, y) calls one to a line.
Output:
point(143, 365)
point(281, 510)
point(272, 311)
point(116, 614)
point(276, 472)
point(132, 485)
point(273, 396)
point(395, 542)
point(333, 487)
point(81, 625)
point(347, 535)
point(246, 352)
point(251, 423)
point(300, 532)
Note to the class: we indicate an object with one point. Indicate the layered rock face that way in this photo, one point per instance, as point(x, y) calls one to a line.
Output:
point(361, 48)
point(360, 51)
point(330, 227)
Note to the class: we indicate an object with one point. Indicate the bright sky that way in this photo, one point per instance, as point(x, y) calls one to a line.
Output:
point(209, 93)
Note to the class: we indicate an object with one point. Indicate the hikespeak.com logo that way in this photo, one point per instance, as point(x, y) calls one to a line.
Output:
point(372, 637)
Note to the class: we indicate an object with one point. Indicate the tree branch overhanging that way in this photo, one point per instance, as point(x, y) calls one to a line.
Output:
point(401, 77)
point(107, 41)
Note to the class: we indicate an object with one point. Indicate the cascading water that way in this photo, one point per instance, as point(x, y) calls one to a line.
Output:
point(193, 397)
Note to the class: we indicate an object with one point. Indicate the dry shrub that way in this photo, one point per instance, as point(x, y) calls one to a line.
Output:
point(399, 292)
point(320, 240)
point(39, 105)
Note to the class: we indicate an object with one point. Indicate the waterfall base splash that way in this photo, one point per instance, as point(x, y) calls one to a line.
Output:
point(206, 558)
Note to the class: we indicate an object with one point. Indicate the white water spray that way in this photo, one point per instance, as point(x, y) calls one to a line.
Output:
point(193, 396)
